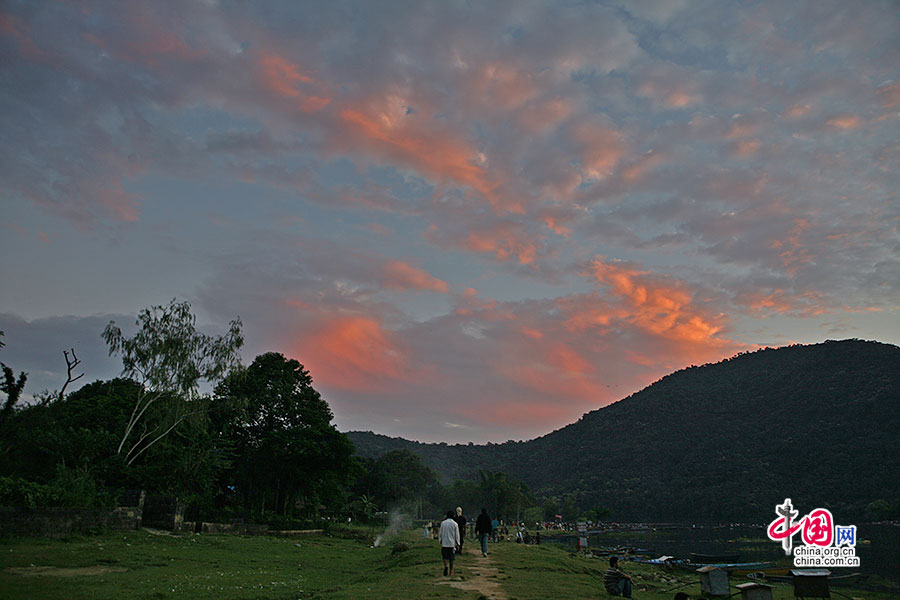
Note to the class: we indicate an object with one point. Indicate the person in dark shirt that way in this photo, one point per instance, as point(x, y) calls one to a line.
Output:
point(461, 521)
point(483, 530)
point(616, 582)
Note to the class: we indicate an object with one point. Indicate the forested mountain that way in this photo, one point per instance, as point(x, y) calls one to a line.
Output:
point(819, 424)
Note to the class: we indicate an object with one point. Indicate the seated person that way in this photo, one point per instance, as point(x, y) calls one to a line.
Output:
point(615, 581)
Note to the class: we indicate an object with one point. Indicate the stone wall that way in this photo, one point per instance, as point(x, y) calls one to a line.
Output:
point(60, 522)
point(136, 510)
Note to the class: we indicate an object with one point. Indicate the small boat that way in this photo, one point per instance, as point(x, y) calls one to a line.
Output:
point(733, 568)
point(709, 559)
point(662, 560)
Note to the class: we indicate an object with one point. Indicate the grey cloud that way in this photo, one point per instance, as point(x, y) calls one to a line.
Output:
point(37, 346)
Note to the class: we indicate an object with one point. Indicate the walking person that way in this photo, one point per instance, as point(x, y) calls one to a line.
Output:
point(483, 529)
point(461, 522)
point(450, 542)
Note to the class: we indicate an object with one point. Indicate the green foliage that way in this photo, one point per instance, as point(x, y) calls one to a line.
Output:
point(399, 480)
point(12, 387)
point(15, 491)
point(170, 359)
point(287, 454)
point(882, 510)
point(70, 487)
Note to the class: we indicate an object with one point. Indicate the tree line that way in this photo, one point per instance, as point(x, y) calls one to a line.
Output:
point(259, 446)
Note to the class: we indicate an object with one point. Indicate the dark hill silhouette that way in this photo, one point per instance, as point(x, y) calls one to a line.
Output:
point(727, 441)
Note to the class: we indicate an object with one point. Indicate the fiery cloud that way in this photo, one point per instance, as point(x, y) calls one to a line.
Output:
point(656, 306)
point(353, 353)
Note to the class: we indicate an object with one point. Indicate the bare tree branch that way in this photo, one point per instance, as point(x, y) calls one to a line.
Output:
point(70, 366)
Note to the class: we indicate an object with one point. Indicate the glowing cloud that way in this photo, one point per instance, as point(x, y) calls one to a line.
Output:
point(353, 353)
point(656, 306)
point(403, 276)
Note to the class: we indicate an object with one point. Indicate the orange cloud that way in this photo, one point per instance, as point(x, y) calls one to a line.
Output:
point(567, 360)
point(669, 95)
point(403, 276)
point(681, 99)
point(532, 333)
point(503, 244)
point(796, 111)
point(794, 253)
point(433, 153)
point(517, 412)
point(353, 353)
point(845, 122)
point(284, 79)
point(746, 147)
point(661, 308)
point(557, 228)
point(783, 302)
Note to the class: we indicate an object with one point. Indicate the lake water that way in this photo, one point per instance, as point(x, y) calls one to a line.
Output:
point(877, 545)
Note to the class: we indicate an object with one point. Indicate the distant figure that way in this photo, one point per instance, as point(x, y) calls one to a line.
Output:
point(495, 530)
point(427, 531)
point(519, 536)
point(483, 528)
point(461, 521)
point(450, 542)
point(615, 581)
point(537, 538)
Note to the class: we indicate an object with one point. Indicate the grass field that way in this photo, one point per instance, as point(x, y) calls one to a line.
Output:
point(141, 564)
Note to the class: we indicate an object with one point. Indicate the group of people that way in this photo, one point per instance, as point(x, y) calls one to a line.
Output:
point(451, 533)
point(616, 581)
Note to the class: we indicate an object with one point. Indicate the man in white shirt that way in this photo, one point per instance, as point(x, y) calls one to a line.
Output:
point(449, 537)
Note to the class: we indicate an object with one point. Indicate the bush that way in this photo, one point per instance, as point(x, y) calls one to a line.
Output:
point(78, 488)
point(15, 491)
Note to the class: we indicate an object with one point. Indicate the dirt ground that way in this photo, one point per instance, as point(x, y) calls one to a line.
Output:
point(478, 575)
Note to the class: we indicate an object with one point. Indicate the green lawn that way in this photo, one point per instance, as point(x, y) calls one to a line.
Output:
point(139, 564)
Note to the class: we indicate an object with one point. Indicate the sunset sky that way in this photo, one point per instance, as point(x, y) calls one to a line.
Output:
point(471, 221)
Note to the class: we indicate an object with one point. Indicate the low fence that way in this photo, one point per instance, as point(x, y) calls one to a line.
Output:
point(136, 510)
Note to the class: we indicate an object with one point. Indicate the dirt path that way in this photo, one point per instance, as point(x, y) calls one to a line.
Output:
point(476, 573)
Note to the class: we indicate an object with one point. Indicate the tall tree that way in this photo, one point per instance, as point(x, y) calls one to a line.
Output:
point(287, 451)
point(400, 477)
point(11, 386)
point(170, 358)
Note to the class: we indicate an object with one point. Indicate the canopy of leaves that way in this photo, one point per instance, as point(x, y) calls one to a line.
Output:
point(286, 449)
point(169, 354)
